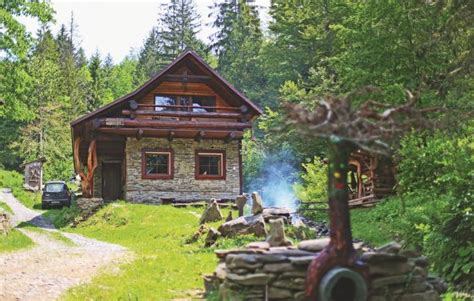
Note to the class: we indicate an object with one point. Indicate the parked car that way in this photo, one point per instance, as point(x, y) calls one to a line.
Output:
point(55, 194)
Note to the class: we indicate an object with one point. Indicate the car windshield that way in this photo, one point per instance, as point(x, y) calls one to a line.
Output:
point(55, 187)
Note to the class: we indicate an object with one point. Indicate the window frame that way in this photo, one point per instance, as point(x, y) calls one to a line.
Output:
point(169, 175)
point(220, 153)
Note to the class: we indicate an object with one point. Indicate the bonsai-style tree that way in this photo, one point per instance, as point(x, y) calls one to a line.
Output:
point(372, 127)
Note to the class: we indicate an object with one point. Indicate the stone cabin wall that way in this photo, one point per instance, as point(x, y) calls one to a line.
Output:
point(183, 186)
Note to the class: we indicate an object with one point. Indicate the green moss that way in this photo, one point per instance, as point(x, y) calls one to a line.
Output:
point(14, 241)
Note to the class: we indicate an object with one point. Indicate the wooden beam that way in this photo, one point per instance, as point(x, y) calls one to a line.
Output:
point(167, 132)
point(230, 137)
point(125, 122)
point(225, 115)
point(139, 134)
point(200, 135)
point(187, 78)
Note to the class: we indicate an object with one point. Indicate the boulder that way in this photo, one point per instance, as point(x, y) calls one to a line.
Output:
point(244, 225)
point(392, 248)
point(275, 212)
point(4, 222)
point(240, 202)
point(257, 203)
point(276, 237)
point(211, 214)
point(258, 245)
point(211, 238)
point(229, 217)
point(313, 245)
point(250, 279)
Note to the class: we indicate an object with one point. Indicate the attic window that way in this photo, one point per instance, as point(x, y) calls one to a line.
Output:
point(164, 100)
point(204, 103)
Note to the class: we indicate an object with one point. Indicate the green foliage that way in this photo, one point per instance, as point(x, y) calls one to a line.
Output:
point(315, 178)
point(14, 180)
point(63, 217)
point(15, 240)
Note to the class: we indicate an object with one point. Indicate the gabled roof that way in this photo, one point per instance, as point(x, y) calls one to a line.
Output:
point(189, 54)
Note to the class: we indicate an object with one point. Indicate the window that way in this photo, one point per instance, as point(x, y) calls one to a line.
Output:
point(210, 165)
point(204, 101)
point(55, 187)
point(157, 164)
point(164, 100)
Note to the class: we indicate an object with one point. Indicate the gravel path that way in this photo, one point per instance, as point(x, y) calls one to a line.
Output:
point(45, 271)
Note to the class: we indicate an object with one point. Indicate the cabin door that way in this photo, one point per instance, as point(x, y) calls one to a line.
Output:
point(111, 181)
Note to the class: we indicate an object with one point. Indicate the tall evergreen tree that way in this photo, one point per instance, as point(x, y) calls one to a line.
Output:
point(176, 31)
point(238, 44)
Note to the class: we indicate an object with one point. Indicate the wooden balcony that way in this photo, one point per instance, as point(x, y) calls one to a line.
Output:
point(177, 121)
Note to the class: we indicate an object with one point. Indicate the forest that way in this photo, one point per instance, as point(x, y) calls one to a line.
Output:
point(309, 49)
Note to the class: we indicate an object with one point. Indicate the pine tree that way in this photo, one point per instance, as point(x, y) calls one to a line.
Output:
point(238, 43)
point(177, 31)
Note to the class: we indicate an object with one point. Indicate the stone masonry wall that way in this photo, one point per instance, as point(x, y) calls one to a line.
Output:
point(260, 272)
point(183, 186)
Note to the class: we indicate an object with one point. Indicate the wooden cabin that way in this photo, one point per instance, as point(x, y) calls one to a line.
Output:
point(177, 137)
point(371, 178)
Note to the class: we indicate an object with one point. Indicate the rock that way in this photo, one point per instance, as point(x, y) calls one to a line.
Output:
point(201, 230)
point(302, 261)
point(210, 283)
point(257, 203)
point(391, 280)
point(258, 245)
point(242, 261)
point(250, 279)
point(420, 271)
point(268, 258)
point(5, 224)
point(278, 293)
point(278, 267)
point(438, 284)
point(222, 254)
point(221, 271)
point(313, 245)
point(276, 236)
point(289, 252)
point(374, 258)
point(244, 225)
point(275, 212)
point(229, 217)
point(421, 261)
point(299, 296)
point(425, 296)
point(390, 268)
point(409, 253)
point(392, 248)
point(212, 213)
point(211, 238)
point(240, 201)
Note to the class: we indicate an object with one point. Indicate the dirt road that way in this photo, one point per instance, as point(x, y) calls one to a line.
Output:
point(48, 269)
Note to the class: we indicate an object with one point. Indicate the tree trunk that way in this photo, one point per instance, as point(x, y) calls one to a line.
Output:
point(340, 251)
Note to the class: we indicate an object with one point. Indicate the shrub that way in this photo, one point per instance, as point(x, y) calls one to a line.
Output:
point(315, 178)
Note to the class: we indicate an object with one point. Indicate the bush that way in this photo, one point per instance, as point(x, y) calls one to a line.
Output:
point(315, 178)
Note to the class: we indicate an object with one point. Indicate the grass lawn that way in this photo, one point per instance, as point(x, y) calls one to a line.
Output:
point(14, 241)
point(165, 266)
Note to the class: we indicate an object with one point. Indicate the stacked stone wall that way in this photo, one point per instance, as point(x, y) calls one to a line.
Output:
point(183, 186)
point(264, 273)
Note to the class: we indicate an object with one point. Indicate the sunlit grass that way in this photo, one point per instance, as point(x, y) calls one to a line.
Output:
point(165, 267)
point(14, 241)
